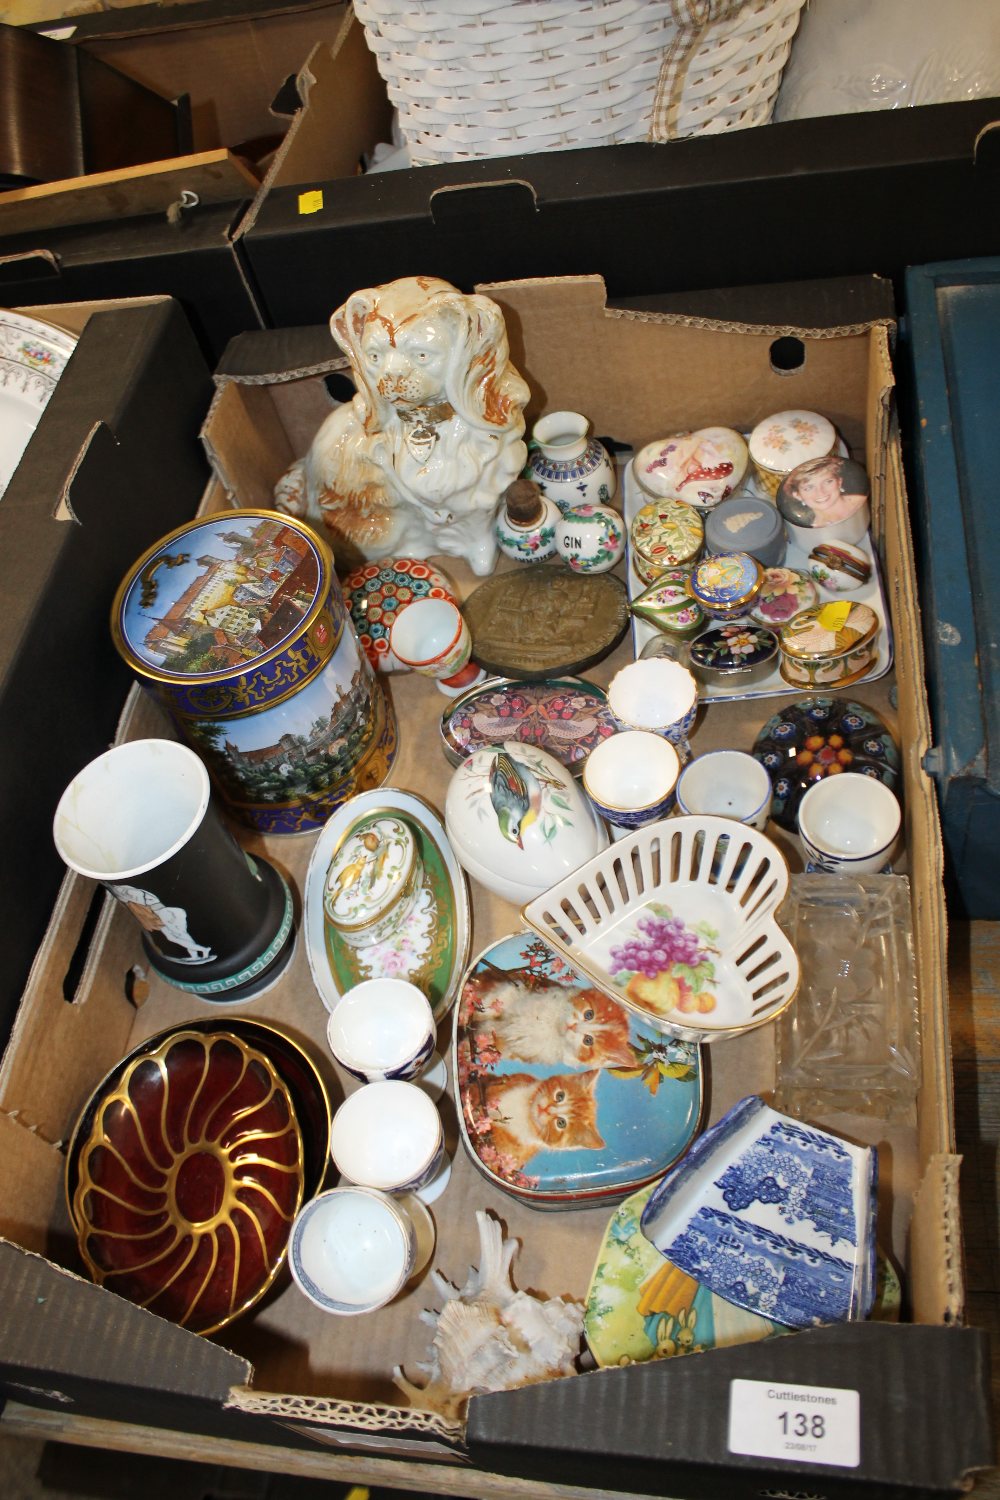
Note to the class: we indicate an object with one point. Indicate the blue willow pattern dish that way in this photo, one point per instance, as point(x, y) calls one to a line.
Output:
point(774, 1215)
point(817, 737)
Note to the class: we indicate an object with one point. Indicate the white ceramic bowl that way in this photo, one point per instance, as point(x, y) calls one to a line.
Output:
point(849, 824)
point(518, 821)
point(656, 694)
point(352, 1249)
point(389, 1136)
point(382, 1028)
point(630, 778)
point(726, 784)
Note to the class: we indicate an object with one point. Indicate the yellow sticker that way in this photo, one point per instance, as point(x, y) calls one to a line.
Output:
point(834, 616)
point(311, 202)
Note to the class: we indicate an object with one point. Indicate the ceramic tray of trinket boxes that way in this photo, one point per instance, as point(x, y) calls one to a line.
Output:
point(566, 1100)
point(676, 922)
point(829, 587)
point(431, 946)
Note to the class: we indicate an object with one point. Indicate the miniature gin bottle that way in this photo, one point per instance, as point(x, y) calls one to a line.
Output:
point(526, 524)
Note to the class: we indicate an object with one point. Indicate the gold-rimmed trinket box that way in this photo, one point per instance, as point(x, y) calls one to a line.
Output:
point(373, 879)
point(830, 645)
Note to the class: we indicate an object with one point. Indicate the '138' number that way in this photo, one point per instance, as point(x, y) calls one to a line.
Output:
point(800, 1424)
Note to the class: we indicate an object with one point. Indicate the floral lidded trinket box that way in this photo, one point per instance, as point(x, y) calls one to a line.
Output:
point(664, 534)
point(566, 716)
point(734, 655)
point(786, 439)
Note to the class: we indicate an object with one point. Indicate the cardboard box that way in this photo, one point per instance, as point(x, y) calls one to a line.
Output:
point(189, 258)
point(113, 463)
point(949, 338)
point(290, 1377)
point(847, 195)
point(165, 227)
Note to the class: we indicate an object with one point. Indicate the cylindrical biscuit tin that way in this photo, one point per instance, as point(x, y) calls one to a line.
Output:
point(236, 624)
point(830, 645)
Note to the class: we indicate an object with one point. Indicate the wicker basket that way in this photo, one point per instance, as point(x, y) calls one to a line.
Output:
point(474, 78)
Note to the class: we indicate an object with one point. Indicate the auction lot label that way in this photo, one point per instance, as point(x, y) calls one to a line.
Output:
point(813, 1424)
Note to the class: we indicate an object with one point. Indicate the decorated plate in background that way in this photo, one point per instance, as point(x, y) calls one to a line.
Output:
point(377, 591)
point(566, 716)
point(33, 355)
point(431, 948)
point(818, 737)
point(565, 1099)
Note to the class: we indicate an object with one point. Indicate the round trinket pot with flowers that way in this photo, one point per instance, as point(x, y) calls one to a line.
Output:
point(373, 879)
point(830, 645)
point(665, 534)
point(700, 467)
point(783, 441)
point(784, 593)
point(738, 655)
point(726, 585)
point(590, 538)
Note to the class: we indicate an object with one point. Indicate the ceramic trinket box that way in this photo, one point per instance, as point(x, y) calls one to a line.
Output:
point(830, 645)
point(788, 438)
point(566, 1100)
point(700, 467)
point(725, 586)
point(667, 605)
point(735, 655)
point(518, 821)
point(430, 948)
point(566, 716)
point(774, 1215)
point(825, 500)
point(664, 534)
point(373, 879)
point(569, 465)
point(820, 736)
point(839, 566)
point(784, 592)
point(746, 524)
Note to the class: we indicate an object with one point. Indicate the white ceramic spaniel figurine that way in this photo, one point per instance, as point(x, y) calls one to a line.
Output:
point(416, 462)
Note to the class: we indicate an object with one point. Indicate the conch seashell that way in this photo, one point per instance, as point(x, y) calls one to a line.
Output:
point(490, 1337)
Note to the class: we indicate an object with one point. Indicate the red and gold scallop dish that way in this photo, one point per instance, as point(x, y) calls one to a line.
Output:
point(189, 1179)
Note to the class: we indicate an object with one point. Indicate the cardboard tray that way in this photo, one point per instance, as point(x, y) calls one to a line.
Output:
point(285, 1375)
point(844, 195)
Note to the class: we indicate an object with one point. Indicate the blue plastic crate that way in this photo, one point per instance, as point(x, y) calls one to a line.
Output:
point(950, 336)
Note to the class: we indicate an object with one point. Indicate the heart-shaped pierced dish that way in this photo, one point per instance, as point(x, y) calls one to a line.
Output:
point(677, 922)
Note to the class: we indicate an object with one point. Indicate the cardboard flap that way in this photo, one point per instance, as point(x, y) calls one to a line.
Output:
point(627, 1424)
point(59, 1329)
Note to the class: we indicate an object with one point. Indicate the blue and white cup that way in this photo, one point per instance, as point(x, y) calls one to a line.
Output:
point(384, 1029)
point(726, 784)
point(389, 1136)
point(849, 825)
point(658, 695)
point(353, 1249)
point(630, 779)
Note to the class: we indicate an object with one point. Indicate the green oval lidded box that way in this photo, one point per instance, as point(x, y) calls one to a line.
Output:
point(236, 624)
